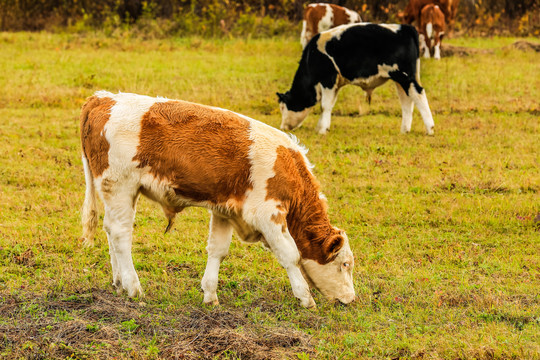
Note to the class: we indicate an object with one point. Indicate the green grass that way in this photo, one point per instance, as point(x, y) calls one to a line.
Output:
point(447, 252)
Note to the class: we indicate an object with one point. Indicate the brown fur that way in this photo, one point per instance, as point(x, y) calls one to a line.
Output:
point(202, 152)
point(94, 115)
point(314, 14)
point(307, 219)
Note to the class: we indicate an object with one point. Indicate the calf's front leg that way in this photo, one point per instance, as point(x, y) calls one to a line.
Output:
point(284, 248)
point(219, 241)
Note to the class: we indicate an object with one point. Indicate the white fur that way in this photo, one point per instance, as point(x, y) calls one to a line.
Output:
point(328, 100)
point(305, 35)
point(429, 30)
point(437, 51)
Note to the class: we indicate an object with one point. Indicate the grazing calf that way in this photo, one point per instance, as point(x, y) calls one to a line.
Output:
point(253, 179)
point(320, 17)
point(432, 26)
point(412, 12)
point(366, 55)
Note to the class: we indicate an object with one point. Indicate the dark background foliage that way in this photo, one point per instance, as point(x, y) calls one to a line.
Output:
point(520, 17)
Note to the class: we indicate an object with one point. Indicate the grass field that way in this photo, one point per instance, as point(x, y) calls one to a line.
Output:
point(447, 250)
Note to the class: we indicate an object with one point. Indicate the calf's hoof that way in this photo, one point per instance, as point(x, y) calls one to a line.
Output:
point(308, 303)
point(87, 243)
point(212, 302)
point(430, 131)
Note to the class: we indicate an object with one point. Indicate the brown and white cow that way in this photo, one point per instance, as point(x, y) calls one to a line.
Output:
point(253, 178)
point(432, 26)
point(320, 17)
point(414, 8)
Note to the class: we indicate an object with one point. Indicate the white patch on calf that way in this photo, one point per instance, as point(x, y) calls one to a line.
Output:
point(327, 21)
point(354, 17)
point(304, 36)
point(437, 52)
point(429, 30)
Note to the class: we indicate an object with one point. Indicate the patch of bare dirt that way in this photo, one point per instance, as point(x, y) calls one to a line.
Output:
point(525, 46)
point(450, 50)
point(100, 324)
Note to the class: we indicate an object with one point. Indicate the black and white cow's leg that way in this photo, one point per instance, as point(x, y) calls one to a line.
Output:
point(407, 107)
point(421, 102)
point(412, 90)
point(328, 100)
point(118, 224)
point(219, 241)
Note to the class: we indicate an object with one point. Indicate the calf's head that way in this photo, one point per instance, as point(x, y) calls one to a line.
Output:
point(291, 116)
point(334, 277)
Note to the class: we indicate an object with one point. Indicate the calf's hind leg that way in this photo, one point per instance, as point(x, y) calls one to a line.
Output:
point(219, 241)
point(118, 224)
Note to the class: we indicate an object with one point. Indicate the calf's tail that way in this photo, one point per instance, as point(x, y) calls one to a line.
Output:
point(89, 209)
point(89, 215)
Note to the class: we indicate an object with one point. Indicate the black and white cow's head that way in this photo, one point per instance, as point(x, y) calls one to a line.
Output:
point(292, 115)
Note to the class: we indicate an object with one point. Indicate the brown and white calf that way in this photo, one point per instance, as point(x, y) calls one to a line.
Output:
point(412, 11)
point(253, 178)
point(320, 17)
point(432, 26)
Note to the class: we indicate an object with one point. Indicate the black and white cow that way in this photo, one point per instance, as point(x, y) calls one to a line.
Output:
point(364, 54)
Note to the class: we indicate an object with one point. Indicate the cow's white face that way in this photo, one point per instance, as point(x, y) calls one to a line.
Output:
point(291, 119)
point(335, 279)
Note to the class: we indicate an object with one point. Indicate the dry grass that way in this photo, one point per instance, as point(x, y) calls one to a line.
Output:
point(99, 324)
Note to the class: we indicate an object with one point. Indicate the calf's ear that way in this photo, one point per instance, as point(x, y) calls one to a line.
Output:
point(332, 245)
point(281, 97)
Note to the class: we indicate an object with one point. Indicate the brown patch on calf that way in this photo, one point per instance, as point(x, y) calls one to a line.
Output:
point(340, 16)
point(280, 219)
point(94, 115)
point(314, 14)
point(202, 152)
point(307, 219)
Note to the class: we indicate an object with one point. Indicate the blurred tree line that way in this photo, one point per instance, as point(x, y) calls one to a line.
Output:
point(213, 17)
